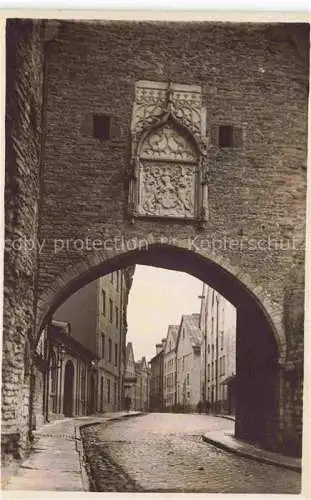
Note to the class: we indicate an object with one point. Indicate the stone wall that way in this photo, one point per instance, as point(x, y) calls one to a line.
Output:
point(253, 77)
point(23, 127)
point(256, 190)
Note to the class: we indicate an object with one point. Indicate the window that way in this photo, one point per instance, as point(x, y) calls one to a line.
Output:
point(225, 136)
point(222, 340)
point(223, 365)
point(208, 372)
point(111, 277)
point(108, 390)
point(183, 333)
point(212, 370)
point(101, 127)
point(109, 349)
point(110, 310)
point(104, 302)
point(213, 351)
point(116, 354)
point(188, 395)
point(188, 379)
point(208, 349)
point(229, 136)
point(117, 317)
point(103, 346)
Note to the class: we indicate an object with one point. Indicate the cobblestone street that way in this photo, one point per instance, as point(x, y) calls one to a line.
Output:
point(165, 452)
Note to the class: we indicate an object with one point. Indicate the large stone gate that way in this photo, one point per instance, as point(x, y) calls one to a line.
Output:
point(182, 145)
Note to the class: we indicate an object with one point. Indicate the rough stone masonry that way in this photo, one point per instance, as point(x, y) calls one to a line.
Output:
point(64, 182)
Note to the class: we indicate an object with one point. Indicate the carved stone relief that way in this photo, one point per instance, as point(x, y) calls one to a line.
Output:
point(168, 174)
point(167, 190)
point(167, 142)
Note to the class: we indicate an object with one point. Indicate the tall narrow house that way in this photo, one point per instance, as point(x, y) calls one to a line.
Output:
point(218, 353)
point(188, 354)
point(169, 368)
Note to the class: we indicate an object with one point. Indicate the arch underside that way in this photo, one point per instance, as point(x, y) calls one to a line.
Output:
point(235, 285)
point(258, 343)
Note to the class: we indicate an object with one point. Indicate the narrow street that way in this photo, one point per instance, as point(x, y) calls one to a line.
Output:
point(165, 452)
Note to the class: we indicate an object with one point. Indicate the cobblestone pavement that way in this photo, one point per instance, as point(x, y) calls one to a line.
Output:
point(164, 452)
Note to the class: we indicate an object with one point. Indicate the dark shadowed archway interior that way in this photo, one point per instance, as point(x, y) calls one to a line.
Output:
point(257, 370)
point(68, 389)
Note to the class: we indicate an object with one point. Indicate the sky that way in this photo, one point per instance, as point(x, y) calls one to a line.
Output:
point(158, 298)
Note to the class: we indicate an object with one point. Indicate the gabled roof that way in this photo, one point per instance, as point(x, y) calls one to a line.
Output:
point(141, 364)
point(58, 333)
point(172, 333)
point(129, 352)
point(191, 324)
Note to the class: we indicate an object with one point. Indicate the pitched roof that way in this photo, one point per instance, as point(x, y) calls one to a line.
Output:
point(59, 334)
point(191, 323)
point(129, 351)
point(141, 364)
point(172, 334)
point(173, 329)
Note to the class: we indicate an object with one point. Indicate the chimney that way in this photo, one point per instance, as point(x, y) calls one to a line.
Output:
point(159, 348)
point(163, 343)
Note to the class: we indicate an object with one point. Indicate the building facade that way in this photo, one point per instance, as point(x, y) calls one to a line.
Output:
point(218, 352)
point(275, 88)
point(142, 393)
point(188, 356)
point(64, 377)
point(130, 377)
point(97, 314)
point(169, 367)
point(156, 382)
point(137, 381)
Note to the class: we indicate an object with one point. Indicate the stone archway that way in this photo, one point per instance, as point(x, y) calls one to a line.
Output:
point(260, 346)
point(68, 389)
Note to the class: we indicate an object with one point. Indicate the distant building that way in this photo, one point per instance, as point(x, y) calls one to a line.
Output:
point(156, 382)
point(188, 354)
point(169, 370)
point(97, 314)
point(142, 394)
point(137, 381)
point(130, 377)
point(218, 353)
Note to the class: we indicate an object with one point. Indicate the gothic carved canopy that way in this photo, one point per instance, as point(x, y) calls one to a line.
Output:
point(168, 174)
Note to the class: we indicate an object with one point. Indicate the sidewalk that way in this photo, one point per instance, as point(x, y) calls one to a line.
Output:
point(56, 462)
point(224, 438)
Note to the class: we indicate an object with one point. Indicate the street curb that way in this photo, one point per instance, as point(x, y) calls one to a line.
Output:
point(227, 417)
point(250, 455)
point(86, 477)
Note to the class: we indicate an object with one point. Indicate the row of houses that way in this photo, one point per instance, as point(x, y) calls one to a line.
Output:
point(194, 366)
point(81, 356)
point(137, 381)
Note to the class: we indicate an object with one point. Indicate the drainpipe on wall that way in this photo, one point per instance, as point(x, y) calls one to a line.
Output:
point(31, 398)
point(216, 368)
point(120, 385)
point(49, 347)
